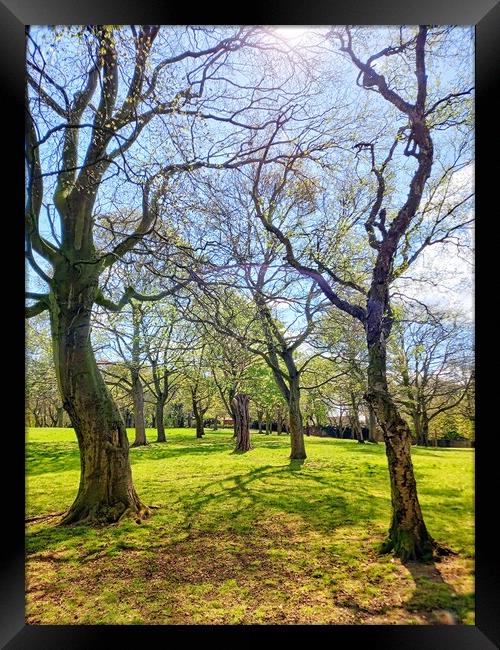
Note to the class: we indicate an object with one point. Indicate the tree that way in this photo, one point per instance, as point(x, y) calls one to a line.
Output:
point(430, 359)
point(392, 235)
point(43, 404)
point(166, 344)
point(241, 422)
point(248, 263)
point(81, 136)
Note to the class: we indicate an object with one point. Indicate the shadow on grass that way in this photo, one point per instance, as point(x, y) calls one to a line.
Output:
point(242, 500)
point(51, 536)
point(44, 457)
point(162, 450)
point(437, 598)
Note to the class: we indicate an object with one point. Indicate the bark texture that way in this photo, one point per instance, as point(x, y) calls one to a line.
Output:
point(296, 427)
point(106, 492)
point(242, 422)
point(160, 421)
point(408, 536)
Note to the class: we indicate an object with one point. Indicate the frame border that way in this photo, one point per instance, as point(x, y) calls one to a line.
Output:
point(485, 15)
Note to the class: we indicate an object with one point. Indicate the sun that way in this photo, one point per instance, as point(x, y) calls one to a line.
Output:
point(292, 31)
point(297, 34)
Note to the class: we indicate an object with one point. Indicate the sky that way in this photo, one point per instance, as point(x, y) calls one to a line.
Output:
point(454, 269)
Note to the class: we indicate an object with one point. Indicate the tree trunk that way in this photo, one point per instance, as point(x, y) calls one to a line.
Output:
point(59, 419)
point(408, 535)
point(106, 492)
point(137, 389)
point(296, 428)
point(423, 437)
point(373, 435)
point(279, 422)
point(198, 416)
point(259, 420)
point(138, 397)
point(189, 420)
point(231, 396)
point(200, 431)
point(160, 421)
point(355, 423)
point(268, 423)
point(240, 409)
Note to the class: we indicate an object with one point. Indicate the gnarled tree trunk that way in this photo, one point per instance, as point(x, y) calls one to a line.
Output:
point(242, 421)
point(106, 492)
point(160, 420)
point(408, 535)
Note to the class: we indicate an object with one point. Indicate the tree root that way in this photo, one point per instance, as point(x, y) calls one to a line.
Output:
point(408, 548)
point(55, 514)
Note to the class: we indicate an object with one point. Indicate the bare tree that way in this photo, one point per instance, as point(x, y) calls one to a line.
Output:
point(432, 362)
point(389, 233)
point(94, 114)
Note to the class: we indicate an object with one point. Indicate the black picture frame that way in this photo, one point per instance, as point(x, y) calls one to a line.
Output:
point(485, 15)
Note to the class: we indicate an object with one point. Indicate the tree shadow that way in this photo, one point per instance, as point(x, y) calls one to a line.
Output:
point(241, 500)
point(48, 457)
point(296, 465)
point(435, 598)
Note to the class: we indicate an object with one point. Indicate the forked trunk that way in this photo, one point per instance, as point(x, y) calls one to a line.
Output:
point(242, 422)
point(106, 492)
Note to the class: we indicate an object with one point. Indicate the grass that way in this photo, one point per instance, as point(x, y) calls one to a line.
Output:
point(246, 538)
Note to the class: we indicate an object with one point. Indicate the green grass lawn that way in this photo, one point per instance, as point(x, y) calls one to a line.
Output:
point(246, 538)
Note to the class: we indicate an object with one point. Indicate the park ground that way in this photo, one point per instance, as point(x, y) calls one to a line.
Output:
point(247, 538)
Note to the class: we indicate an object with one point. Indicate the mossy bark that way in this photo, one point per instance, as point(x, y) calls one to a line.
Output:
point(106, 492)
point(408, 536)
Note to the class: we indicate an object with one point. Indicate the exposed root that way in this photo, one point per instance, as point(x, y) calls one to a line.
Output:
point(104, 515)
point(54, 514)
point(409, 548)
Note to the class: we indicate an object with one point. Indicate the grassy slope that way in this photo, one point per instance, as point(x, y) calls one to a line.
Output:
point(246, 538)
